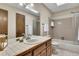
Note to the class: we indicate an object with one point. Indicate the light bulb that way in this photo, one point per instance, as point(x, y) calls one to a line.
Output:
point(32, 4)
point(21, 4)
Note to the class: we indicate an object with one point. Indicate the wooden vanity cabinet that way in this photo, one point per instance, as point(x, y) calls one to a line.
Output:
point(43, 53)
point(28, 54)
point(43, 49)
point(25, 53)
point(49, 51)
point(49, 48)
point(37, 51)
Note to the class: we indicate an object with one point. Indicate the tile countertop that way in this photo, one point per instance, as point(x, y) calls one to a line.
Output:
point(15, 47)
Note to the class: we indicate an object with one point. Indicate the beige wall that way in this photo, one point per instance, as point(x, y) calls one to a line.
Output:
point(12, 19)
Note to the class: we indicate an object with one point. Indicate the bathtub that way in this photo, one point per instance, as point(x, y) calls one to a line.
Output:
point(65, 44)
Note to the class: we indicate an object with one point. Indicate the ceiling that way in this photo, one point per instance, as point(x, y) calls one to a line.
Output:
point(55, 8)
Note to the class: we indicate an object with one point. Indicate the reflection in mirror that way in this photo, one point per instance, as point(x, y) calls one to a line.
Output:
point(20, 25)
point(3, 41)
point(36, 26)
point(3, 28)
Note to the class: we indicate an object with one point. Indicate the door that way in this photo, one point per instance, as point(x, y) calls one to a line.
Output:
point(3, 21)
point(20, 25)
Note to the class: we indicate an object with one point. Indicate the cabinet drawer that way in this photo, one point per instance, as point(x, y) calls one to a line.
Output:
point(49, 43)
point(28, 54)
point(49, 51)
point(43, 53)
point(25, 54)
point(39, 49)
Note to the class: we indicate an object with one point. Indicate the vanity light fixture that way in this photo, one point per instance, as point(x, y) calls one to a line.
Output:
point(32, 10)
point(32, 4)
point(59, 4)
point(28, 6)
point(21, 4)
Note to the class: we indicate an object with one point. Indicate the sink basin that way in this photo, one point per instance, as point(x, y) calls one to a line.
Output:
point(32, 40)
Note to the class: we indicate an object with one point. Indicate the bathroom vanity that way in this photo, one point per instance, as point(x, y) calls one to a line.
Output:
point(41, 47)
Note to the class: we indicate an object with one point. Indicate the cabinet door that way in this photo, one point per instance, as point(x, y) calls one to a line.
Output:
point(0, 21)
point(28, 54)
point(49, 51)
point(20, 25)
point(39, 49)
point(43, 53)
point(49, 43)
point(25, 54)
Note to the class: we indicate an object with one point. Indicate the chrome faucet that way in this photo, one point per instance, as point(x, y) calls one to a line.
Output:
point(23, 36)
point(28, 35)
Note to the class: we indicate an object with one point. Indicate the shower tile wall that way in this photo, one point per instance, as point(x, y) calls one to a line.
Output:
point(63, 28)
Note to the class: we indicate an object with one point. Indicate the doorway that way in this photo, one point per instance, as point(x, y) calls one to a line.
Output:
point(20, 25)
point(3, 21)
point(36, 26)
